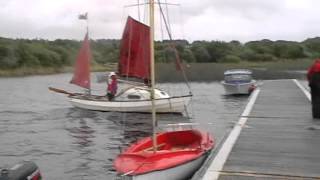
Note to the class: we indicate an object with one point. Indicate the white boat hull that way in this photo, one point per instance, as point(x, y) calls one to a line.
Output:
point(180, 172)
point(164, 105)
point(238, 88)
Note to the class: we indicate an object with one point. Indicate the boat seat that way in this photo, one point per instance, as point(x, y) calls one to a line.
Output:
point(182, 148)
point(151, 148)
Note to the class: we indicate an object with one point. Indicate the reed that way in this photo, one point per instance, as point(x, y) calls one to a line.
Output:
point(27, 71)
point(214, 71)
point(166, 72)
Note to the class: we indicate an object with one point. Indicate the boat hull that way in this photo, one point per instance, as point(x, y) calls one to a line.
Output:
point(165, 105)
point(179, 155)
point(181, 172)
point(24, 170)
point(238, 88)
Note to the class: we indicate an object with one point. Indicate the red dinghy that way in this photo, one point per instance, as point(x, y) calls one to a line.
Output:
point(179, 154)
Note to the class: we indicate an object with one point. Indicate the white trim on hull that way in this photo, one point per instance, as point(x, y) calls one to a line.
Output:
point(180, 172)
point(165, 105)
point(238, 88)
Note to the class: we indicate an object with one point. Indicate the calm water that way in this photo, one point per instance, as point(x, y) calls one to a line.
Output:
point(70, 143)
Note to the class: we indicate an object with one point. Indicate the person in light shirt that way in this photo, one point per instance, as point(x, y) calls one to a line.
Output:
point(112, 86)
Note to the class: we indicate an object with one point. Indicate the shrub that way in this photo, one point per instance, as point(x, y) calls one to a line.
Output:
point(230, 59)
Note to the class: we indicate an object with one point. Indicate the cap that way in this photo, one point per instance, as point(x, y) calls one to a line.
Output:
point(112, 74)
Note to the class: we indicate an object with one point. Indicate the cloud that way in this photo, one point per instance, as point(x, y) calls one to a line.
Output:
point(226, 20)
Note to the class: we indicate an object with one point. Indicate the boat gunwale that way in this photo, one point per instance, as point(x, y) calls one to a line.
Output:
point(206, 144)
point(81, 97)
point(201, 154)
point(241, 83)
point(237, 71)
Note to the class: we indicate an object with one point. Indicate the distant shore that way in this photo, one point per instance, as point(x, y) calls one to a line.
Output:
point(29, 71)
point(166, 72)
point(286, 69)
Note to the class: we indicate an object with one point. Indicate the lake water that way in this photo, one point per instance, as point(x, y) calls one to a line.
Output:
point(74, 144)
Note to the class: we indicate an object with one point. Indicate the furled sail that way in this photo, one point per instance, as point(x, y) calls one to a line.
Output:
point(81, 75)
point(135, 50)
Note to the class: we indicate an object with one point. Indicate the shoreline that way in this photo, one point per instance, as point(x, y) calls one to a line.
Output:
point(194, 71)
point(33, 71)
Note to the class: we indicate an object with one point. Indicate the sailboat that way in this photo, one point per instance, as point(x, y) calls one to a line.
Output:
point(166, 155)
point(134, 62)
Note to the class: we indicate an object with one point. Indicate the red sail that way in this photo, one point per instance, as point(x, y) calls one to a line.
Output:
point(135, 50)
point(81, 75)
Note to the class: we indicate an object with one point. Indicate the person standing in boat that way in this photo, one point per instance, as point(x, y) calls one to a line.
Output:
point(314, 83)
point(112, 86)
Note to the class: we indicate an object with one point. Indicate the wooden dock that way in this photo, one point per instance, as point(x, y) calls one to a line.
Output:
point(275, 138)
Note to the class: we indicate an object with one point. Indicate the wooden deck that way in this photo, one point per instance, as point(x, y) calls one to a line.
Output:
point(277, 138)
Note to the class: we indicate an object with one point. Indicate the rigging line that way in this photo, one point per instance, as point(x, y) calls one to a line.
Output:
point(167, 10)
point(164, 20)
point(138, 9)
point(162, 38)
point(145, 12)
point(181, 21)
point(129, 53)
point(161, 28)
point(147, 3)
point(172, 45)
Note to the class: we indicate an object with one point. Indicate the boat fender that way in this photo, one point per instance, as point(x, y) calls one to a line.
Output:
point(252, 88)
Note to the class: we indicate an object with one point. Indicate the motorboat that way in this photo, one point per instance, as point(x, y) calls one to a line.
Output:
point(25, 170)
point(238, 82)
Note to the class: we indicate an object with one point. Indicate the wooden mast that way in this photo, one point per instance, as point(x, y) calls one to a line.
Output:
point(87, 20)
point(154, 121)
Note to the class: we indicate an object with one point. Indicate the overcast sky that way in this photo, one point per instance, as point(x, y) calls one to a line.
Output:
point(225, 20)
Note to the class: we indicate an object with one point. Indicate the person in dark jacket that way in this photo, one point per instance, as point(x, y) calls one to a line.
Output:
point(314, 83)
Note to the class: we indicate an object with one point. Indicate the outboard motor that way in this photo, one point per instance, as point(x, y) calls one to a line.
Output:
point(26, 170)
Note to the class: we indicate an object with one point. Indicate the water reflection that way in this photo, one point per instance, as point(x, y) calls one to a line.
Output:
point(138, 125)
point(81, 131)
point(232, 102)
point(82, 134)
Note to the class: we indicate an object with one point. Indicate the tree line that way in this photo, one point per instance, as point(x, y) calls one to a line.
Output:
point(16, 53)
